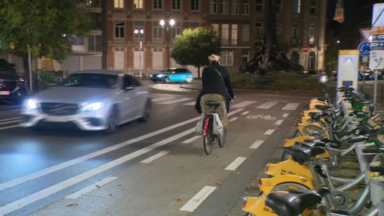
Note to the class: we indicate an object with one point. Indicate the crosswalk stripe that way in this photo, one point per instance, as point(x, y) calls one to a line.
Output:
point(191, 139)
point(190, 103)
point(176, 101)
point(267, 105)
point(291, 106)
point(154, 157)
point(159, 99)
point(9, 122)
point(243, 104)
point(10, 119)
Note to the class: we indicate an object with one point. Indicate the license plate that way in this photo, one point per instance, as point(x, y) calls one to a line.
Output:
point(4, 92)
point(57, 119)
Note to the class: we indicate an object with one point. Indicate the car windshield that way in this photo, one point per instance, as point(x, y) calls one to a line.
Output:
point(167, 70)
point(91, 80)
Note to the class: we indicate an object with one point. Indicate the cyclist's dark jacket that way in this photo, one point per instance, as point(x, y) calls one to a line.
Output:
point(213, 84)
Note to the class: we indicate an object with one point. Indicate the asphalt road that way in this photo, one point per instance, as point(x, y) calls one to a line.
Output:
point(153, 168)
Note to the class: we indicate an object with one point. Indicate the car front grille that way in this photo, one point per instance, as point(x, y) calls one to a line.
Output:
point(59, 108)
point(7, 85)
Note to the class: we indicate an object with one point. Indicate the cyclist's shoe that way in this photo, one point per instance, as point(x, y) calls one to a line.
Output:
point(294, 204)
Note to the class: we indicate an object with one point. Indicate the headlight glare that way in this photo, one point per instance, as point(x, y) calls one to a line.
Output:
point(30, 104)
point(93, 106)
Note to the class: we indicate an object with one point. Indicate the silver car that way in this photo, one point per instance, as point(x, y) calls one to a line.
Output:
point(91, 100)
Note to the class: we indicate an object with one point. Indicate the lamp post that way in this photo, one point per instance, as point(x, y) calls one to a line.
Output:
point(139, 33)
point(171, 23)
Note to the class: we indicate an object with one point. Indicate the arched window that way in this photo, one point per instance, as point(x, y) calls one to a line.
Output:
point(312, 61)
point(295, 57)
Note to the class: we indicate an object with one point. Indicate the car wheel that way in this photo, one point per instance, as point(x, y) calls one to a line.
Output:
point(147, 111)
point(166, 80)
point(112, 121)
point(189, 79)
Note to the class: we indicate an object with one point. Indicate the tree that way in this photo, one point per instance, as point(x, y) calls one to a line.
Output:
point(194, 46)
point(45, 25)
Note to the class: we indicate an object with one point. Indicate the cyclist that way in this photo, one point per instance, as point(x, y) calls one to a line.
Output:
point(216, 87)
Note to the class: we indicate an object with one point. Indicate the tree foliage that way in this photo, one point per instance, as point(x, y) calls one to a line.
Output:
point(194, 46)
point(42, 24)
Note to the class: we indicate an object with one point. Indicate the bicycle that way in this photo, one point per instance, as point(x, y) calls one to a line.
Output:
point(208, 137)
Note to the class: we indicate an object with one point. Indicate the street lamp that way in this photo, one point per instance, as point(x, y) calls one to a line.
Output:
point(139, 33)
point(171, 23)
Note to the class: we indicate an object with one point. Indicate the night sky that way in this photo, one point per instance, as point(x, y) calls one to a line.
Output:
point(350, 10)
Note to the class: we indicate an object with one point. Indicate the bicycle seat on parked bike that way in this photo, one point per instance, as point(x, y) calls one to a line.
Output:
point(321, 99)
point(310, 144)
point(212, 103)
point(291, 204)
point(320, 107)
point(322, 191)
point(305, 153)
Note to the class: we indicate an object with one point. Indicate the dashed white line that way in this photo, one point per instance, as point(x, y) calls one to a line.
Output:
point(190, 103)
point(8, 127)
point(9, 122)
point(285, 115)
point(10, 119)
point(154, 157)
point(291, 106)
point(199, 198)
point(256, 144)
point(160, 99)
point(269, 132)
point(243, 104)
point(191, 139)
point(267, 105)
point(176, 101)
point(90, 188)
point(233, 119)
point(279, 122)
point(236, 163)
point(245, 113)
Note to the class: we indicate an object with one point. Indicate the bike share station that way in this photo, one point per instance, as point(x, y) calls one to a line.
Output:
point(348, 66)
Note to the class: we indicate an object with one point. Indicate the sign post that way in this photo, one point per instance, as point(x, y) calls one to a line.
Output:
point(347, 69)
point(377, 44)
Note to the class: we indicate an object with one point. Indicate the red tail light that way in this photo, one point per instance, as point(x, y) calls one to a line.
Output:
point(245, 201)
point(266, 168)
point(260, 182)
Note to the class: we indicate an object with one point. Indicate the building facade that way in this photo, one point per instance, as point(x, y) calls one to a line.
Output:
point(137, 40)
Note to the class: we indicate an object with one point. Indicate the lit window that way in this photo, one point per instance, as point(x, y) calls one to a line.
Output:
point(119, 3)
point(138, 4)
point(234, 34)
point(296, 6)
point(225, 34)
point(226, 58)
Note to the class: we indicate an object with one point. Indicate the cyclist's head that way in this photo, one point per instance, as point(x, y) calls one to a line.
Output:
point(214, 58)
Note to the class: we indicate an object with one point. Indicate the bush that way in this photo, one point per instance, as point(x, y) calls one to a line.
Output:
point(284, 81)
point(45, 78)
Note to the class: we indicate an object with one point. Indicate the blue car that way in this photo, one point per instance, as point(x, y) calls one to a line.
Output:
point(173, 75)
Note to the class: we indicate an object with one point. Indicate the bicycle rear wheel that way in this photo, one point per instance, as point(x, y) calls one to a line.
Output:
point(209, 138)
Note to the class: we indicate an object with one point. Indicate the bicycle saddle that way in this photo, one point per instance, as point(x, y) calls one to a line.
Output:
point(212, 103)
point(314, 115)
point(290, 203)
point(321, 99)
point(322, 191)
point(305, 153)
point(310, 144)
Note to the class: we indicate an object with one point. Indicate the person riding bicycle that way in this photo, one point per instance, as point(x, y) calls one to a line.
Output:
point(216, 87)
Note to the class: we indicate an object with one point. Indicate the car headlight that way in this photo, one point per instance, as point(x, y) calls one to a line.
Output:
point(30, 104)
point(93, 106)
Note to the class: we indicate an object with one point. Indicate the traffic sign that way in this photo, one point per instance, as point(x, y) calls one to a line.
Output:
point(305, 49)
point(378, 15)
point(376, 61)
point(364, 48)
point(378, 37)
point(377, 45)
point(365, 33)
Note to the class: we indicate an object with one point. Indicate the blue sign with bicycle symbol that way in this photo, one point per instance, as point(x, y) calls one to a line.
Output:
point(364, 48)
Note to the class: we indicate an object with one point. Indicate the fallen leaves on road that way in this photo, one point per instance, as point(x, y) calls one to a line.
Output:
point(179, 200)
point(110, 194)
point(238, 173)
point(218, 184)
point(72, 205)
point(98, 186)
point(218, 179)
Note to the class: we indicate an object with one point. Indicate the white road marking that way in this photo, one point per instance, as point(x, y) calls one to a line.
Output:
point(8, 127)
point(267, 105)
point(233, 119)
point(9, 122)
point(191, 139)
point(245, 113)
point(55, 168)
point(279, 122)
point(160, 99)
point(90, 188)
point(285, 115)
point(199, 198)
point(236, 163)
point(176, 101)
point(10, 119)
point(154, 157)
point(256, 144)
point(243, 104)
point(18, 204)
point(190, 103)
point(269, 132)
point(291, 106)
